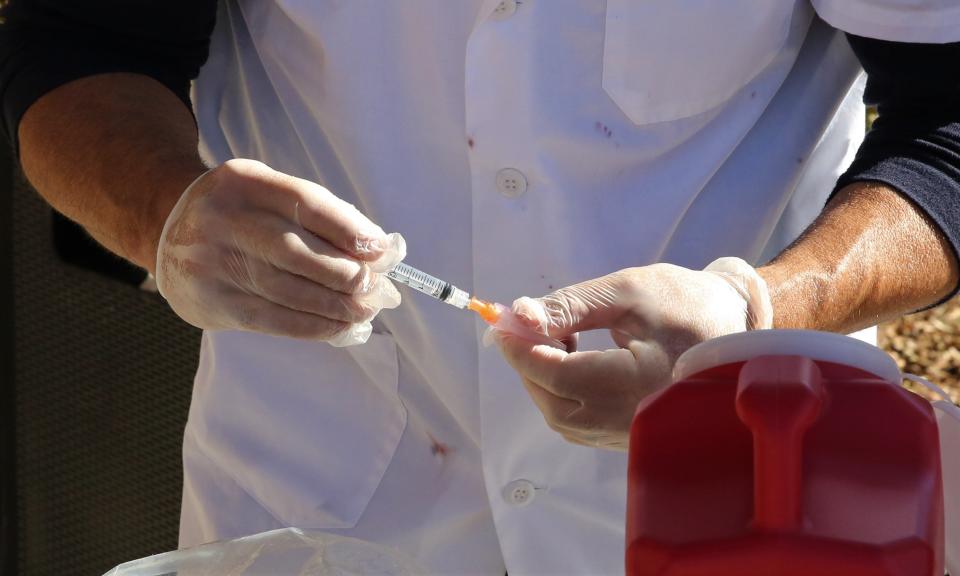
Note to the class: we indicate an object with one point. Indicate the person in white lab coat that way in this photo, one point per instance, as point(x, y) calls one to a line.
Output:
point(518, 147)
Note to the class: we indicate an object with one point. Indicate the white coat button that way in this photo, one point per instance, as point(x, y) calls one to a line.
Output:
point(519, 492)
point(511, 182)
point(504, 10)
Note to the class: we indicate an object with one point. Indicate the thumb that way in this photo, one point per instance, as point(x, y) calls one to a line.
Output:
point(591, 305)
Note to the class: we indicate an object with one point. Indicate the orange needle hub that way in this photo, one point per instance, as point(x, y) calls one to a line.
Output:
point(487, 310)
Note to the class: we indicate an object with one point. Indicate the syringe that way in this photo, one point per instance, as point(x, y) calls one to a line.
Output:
point(494, 314)
point(429, 285)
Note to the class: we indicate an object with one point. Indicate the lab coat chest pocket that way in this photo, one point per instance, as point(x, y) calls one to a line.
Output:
point(669, 59)
point(307, 430)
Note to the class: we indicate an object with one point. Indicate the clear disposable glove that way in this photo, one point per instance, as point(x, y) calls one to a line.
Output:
point(249, 248)
point(654, 314)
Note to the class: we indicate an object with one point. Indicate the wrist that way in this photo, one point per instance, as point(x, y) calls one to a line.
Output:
point(794, 295)
point(154, 214)
point(751, 286)
point(112, 152)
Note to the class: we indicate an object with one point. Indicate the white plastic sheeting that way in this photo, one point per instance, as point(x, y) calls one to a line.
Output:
point(284, 552)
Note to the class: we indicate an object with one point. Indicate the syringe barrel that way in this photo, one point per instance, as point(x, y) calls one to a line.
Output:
point(419, 281)
point(423, 282)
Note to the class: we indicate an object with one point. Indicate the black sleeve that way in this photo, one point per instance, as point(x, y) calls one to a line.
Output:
point(47, 43)
point(914, 145)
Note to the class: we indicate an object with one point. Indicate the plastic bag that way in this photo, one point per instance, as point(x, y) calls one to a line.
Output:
point(948, 421)
point(284, 552)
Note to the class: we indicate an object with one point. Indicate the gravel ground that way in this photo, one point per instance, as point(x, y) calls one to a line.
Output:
point(928, 344)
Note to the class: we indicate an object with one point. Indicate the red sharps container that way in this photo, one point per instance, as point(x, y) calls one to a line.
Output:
point(785, 453)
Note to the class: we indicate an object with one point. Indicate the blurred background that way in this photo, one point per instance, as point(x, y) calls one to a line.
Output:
point(94, 390)
point(95, 385)
point(926, 344)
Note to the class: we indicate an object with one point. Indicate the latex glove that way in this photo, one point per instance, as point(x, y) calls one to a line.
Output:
point(654, 314)
point(249, 248)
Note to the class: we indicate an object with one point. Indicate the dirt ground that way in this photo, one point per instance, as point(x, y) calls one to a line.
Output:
point(928, 344)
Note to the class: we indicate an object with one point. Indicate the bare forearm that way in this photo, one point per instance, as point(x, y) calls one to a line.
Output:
point(871, 256)
point(112, 152)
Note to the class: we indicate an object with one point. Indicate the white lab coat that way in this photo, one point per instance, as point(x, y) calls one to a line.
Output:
point(519, 147)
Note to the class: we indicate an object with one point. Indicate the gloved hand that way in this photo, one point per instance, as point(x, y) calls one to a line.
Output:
point(654, 314)
point(249, 248)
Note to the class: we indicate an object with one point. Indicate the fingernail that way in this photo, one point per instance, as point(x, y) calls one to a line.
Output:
point(489, 337)
point(366, 245)
point(531, 312)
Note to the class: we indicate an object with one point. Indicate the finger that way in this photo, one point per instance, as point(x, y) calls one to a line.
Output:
point(306, 255)
point(337, 221)
point(537, 362)
point(593, 439)
point(590, 305)
point(298, 293)
point(555, 410)
point(558, 414)
point(353, 335)
point(317, 260)
point(255, 314)
point(311, 206)
point(568, 375)
point(574, 439)
point(394, 252)
point(387, 293)
point(604, 442)
point(586, 438)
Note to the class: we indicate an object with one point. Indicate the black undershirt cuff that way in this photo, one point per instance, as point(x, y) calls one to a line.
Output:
point(31, 76)
point(920, 158)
